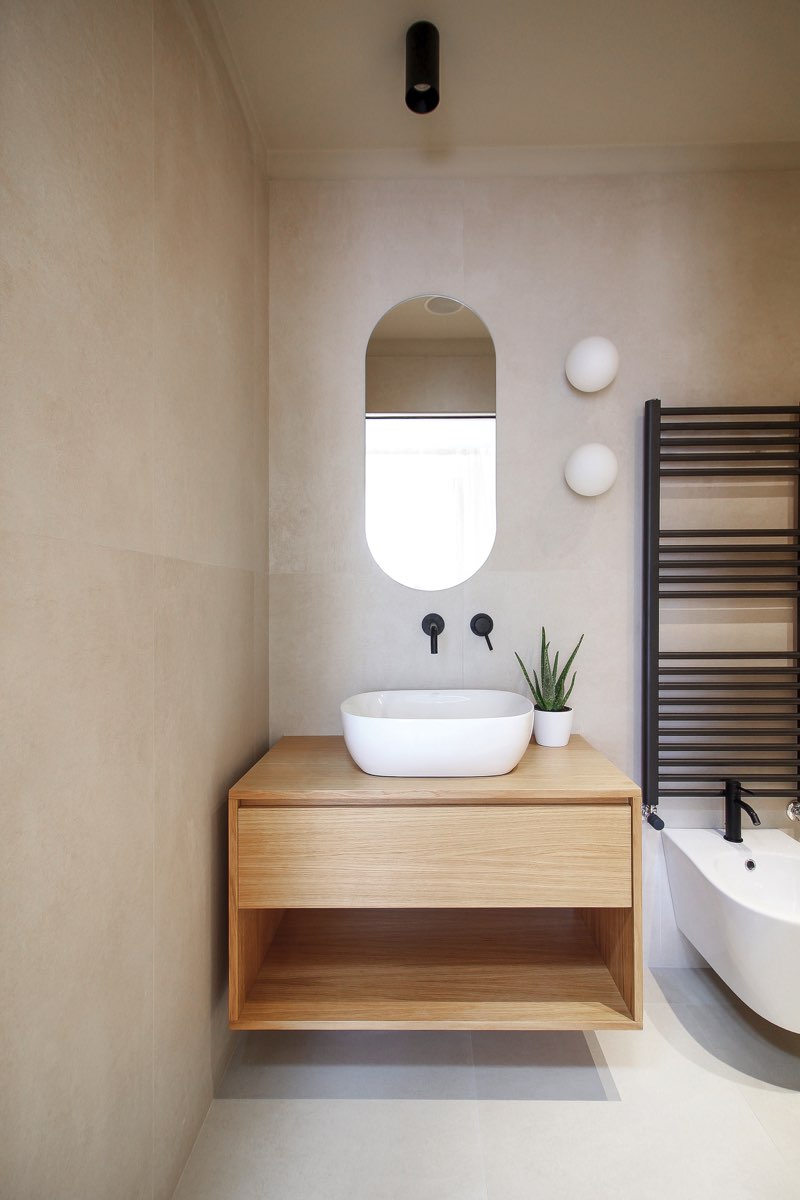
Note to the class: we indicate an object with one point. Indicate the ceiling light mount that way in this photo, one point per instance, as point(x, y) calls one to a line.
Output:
point(422, 67)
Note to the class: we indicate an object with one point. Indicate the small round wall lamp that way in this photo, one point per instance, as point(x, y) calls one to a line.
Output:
point(592, 364)
point(422, 67)
point(591, 469)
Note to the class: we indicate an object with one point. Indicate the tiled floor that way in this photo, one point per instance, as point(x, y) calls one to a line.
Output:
point(704, 1103)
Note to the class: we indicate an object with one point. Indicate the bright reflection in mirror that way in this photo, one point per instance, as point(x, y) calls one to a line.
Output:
point(430, 443)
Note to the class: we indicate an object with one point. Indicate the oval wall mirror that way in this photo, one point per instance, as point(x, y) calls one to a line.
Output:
point(430, 443)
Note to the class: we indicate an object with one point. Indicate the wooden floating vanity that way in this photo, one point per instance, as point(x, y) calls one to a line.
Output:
point(362, 902)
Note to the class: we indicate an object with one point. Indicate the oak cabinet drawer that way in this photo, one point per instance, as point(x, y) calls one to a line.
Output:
point(559, 856)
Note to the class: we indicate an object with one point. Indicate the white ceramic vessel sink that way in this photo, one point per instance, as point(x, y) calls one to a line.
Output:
point(437, 733)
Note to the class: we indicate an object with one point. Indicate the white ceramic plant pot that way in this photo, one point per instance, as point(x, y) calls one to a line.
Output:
point(552, 728)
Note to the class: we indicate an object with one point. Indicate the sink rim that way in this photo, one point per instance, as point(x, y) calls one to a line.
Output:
point(522, 707)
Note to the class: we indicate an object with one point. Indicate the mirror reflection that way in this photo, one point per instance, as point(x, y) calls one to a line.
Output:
point(430, 443)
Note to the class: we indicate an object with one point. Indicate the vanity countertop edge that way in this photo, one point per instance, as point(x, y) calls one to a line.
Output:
point(318, 771)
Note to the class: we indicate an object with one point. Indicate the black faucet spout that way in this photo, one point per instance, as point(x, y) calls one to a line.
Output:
point(433, 625)
point(751, 812)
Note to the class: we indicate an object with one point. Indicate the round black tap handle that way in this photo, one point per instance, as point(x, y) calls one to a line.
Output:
point(482, 625)
point(430, 620)
point(655, 820)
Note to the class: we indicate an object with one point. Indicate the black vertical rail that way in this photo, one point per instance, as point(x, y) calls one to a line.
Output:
point(650, 622)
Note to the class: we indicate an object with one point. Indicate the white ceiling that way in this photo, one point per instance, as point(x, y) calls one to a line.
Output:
point(324, 75)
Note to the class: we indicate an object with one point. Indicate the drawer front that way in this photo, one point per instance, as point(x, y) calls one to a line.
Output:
point(558, 856)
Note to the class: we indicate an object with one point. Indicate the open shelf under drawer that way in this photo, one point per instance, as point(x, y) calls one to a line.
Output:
point(434, 968)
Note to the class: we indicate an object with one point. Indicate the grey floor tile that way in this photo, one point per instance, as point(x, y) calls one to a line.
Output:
point(358, 1065)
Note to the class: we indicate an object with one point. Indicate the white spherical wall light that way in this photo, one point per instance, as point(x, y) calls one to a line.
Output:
point(591, 469)
point(592, 364)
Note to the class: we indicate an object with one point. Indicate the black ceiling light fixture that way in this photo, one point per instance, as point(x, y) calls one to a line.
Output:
point(422, 67)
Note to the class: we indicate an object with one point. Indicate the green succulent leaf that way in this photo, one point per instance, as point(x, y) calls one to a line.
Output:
point(534, 689)
point(565, 672)
point(547, 672)
point(549, 690)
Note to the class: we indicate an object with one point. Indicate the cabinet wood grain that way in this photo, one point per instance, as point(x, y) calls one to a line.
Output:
point(471, 857)
point(443, 968)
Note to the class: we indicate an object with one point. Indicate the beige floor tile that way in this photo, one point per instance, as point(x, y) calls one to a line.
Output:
point(778, 1110)
point(336, 1150)
point(669, 1147)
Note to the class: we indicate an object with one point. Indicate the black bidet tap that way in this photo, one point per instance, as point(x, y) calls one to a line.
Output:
point(733, 810)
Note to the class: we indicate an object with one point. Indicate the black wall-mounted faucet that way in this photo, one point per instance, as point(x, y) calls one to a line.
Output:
point(432, 625)
point(482, 625)
point(733, 810)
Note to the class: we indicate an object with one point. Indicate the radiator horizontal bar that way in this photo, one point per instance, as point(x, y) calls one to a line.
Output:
point(726, 409)
point(782, 439)
point(765, 793)
point(729, 671)
point(731, 456)
point(729, 654)
point(708, 763)
point(687, 685)
point(692, 595)
point(762, 426)
point(728, 472)
point(725, 533)
point(780, 720)
point(746, 747)
point(762, 701)
point(711, 778)
point(702, 578)
point(725, 564)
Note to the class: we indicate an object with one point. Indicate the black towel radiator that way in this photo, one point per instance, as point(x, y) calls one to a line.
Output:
point(710, 715)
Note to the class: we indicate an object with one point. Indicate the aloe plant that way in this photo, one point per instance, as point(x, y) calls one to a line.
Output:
point(549, 690)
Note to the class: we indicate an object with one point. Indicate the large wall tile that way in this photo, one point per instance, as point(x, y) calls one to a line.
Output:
point(76, 643)
point(204, 689)
point(260, 665)
point(76, 418)
point(204, 317)
point(349, 634)
point(260, 553)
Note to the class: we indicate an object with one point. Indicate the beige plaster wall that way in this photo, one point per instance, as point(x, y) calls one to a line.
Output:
point(134, 582)
point(696, 278)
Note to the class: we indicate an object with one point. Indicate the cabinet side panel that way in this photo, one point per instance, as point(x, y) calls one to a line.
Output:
point(250, 931)
point(617, 931)
point(234, 999)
